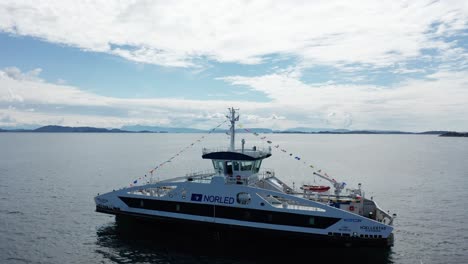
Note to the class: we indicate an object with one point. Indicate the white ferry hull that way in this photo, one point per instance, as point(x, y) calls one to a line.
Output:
point(237, 233)
point(330, 226)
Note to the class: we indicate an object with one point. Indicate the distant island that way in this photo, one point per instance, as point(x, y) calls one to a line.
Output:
point(65, 129)
point(454, 134)
point(156, 129)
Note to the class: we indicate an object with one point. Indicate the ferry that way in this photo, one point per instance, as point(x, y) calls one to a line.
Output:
point(240, 199)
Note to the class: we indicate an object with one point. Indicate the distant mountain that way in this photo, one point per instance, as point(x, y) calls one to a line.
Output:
point(349, 132)
point(26, 127)
point(311, 130)
point(156, 129)
point(138, 128)
point(340, 130)
point(306, 130)
point(65, 129)
point(253, 130)
point(454, 134)
point(433, 132)
point(15, 130)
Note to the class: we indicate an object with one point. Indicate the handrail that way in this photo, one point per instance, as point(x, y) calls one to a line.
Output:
point(200, 173)
point(257, 152)
point(266, 173)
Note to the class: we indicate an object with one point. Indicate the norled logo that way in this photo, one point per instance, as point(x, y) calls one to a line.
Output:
point(212, 198)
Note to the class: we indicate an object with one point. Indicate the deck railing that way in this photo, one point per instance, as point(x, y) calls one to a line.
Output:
point(253, 152)
point(266, 173)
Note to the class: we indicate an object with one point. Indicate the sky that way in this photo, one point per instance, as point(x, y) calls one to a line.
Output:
point(385, 65)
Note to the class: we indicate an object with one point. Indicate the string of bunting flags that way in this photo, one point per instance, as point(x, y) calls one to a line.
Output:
point(290, 154)
point(174, 156)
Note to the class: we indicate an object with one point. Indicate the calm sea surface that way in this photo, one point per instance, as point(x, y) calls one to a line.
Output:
point(48, 181)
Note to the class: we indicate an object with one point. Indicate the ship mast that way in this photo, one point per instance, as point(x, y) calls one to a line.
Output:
point(233, 118)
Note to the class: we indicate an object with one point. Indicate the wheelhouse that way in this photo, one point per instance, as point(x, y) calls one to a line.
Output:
point(237, 166)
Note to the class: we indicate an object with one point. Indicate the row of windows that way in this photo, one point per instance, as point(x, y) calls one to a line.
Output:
point(349, 235)
point(229, 166)
point(235, 213)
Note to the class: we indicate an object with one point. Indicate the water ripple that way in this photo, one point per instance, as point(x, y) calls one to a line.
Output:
point(47, 209)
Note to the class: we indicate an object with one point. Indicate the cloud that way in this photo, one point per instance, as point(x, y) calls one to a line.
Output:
point(424, 38)
point(16, 74)
point(6, 119)
point(34, 101)
point(438, 102)
point(180, 33)
point(339, 119)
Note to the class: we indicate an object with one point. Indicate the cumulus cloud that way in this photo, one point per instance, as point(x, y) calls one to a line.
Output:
point(339, 119)
point(34, 101)
point(178, 33)
point(438, 102)
point(354, 37)
point(15, 73)
point(6, 119)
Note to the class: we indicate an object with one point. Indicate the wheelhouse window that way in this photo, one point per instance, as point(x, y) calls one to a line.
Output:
point(246, 165)
point(229, 167)
point(235, 165)
point(257, 165)
point(218, 166)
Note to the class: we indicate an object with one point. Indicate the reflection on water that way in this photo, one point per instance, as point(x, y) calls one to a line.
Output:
point(139, 242)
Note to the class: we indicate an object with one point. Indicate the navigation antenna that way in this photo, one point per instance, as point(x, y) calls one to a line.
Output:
point(232, 118)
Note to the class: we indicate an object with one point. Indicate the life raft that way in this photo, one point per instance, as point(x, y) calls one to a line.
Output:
point(315, 188)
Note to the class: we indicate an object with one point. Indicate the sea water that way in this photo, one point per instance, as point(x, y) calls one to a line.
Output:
point(48, 181)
